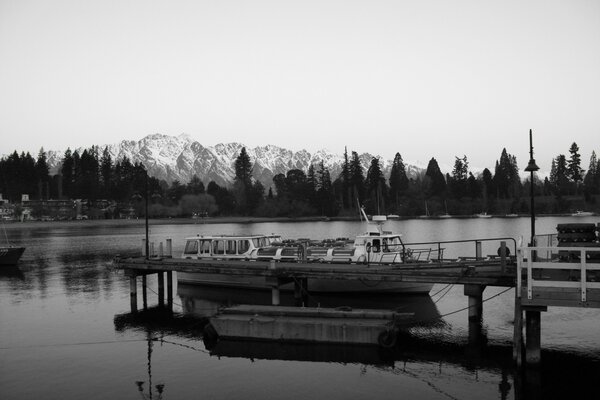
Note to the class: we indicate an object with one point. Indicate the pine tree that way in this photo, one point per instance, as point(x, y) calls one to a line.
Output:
point(357, 179)
point(42, 173)
point(574, 171)
point(242, 185)
point(106, 174)
point(460, 175)
point(375, 186)
point(398, 180)
point(590, 181)
point(435, 178)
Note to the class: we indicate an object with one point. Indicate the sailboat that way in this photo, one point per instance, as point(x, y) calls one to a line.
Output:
point(9, 254)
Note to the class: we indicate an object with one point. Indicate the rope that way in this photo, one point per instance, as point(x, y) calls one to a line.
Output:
point(74, 344)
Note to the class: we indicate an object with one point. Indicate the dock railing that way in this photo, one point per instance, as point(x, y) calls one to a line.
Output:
point(578, 271)
point(436, 251)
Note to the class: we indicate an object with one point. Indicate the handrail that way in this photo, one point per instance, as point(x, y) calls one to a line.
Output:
point(475, 241)
point(525, 259)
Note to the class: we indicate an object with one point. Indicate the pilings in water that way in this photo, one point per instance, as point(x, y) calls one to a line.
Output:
point(133, 274)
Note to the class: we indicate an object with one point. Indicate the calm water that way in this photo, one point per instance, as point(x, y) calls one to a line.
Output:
point(65, 332)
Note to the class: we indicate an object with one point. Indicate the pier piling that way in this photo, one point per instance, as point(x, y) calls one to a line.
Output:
point(475, 293)
point(133, 293)
point(170, 290)
point(144, 292)
point(533, 342)
point(161, 289)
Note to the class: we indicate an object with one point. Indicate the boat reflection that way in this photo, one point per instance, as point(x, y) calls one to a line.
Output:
point(205, 301)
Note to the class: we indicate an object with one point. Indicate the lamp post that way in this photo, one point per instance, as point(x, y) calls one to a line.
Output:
point(532, 167)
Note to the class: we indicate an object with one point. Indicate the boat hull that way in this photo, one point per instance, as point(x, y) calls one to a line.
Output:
point(314, 285)
point(10, 255)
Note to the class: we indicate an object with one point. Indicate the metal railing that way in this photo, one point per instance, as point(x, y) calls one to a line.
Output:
point(576, 272)
point(438, 248)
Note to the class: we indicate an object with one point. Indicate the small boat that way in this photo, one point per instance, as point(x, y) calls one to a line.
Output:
point(10, 255)
point(580, 213)
point(483, 215)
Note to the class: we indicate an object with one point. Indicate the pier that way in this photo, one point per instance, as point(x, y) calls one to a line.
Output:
point(540, 277)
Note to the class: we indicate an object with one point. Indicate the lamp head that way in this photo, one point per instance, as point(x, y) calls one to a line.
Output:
point(532, 166)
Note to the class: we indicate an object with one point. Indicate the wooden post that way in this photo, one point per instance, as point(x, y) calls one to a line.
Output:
point(518, 330)
point(475, 293)
point(170, 290)
point(305, 292)
point(133, 293)
point(275, 295)
point(503, 257)
point(144, 292)
point(478, 250)
point(169, 248)
point(161, 289)
point(297, 292)
point(533, 337)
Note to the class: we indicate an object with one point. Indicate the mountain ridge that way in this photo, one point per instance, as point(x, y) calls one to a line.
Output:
point(181, 157)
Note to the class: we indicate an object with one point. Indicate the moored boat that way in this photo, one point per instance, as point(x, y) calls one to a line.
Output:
point(10, 255)
point(375, 246)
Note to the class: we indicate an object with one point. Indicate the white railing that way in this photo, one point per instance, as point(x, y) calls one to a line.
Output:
point(569, 279)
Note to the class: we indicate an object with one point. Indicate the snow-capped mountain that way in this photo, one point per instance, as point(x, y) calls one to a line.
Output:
point(181, 157)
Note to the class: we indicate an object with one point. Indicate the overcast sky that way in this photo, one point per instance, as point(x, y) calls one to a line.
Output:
point(426, 78)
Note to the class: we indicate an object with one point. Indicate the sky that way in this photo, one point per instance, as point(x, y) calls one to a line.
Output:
point(425, 78)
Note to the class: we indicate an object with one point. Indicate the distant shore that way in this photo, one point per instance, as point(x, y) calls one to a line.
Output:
point(239, 220)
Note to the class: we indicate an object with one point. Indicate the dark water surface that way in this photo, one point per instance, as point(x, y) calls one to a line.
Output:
point(65, 330)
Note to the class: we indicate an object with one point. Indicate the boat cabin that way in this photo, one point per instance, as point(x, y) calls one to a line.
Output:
point(226, 247)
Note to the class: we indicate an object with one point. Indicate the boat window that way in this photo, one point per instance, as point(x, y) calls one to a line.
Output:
point(191, 247)
point(218, 246)
point(385, 245)
point(243, 246)
point(255, 242)
point(230, 247)
point(376, 245)
point(205, 247)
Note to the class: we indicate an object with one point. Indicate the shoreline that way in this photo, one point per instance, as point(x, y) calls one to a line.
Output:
point(250, 220)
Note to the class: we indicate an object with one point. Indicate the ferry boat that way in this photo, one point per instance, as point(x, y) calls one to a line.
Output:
point(375, 246)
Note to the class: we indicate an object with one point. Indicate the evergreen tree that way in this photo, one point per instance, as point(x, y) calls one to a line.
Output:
point(506, 176)
point(591, 179)
point(398, 180)
point(325, 195)
point(106, 174)
point(42, 173)
point(357, 179)
point(375, 186)
point(195, 186)
point(574, 171)
point(558, 176)
point(435, 179)
point(242, 183)
point(67, 169)
point(346, 184)
point(460, 175)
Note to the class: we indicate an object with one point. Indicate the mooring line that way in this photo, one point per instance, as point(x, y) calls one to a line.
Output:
point(74, 344)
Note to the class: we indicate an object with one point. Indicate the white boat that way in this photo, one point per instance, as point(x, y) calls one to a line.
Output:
point(375, 246)
point(580, 213)
point(484, 215)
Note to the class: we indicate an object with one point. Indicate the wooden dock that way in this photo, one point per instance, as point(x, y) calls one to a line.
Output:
point(540, 282)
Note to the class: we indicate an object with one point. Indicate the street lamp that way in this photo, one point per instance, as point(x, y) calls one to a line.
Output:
point(532, 167)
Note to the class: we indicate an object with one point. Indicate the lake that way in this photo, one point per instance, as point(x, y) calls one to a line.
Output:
point(66, 331)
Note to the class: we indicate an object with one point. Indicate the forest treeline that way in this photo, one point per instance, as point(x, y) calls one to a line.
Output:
point(93, 175)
